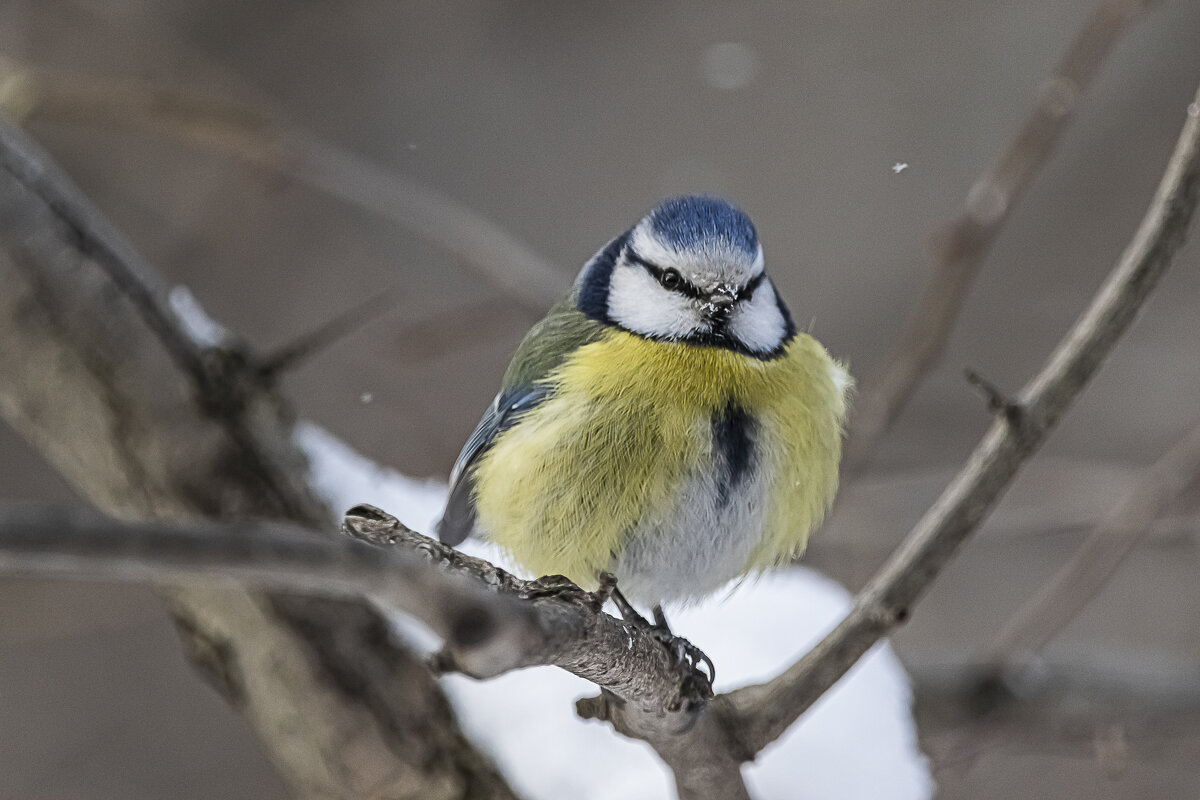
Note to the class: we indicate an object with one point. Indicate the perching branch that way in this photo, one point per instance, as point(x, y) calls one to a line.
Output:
point(648, 694)
point(490, 621)
point(962, 245)
point(767, 710)
point(488, 635)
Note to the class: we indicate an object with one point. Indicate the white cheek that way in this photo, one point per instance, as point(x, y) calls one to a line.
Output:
point(758, 324)
point(638, 303)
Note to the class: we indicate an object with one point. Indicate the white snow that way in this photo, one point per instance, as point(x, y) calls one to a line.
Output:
point(202, 329)
point(858, 742)
point(344, 478)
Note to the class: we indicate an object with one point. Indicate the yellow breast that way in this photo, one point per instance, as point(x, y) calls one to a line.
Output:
point(628, 420)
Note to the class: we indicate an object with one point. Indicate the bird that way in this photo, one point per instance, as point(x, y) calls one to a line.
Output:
point(666, 422)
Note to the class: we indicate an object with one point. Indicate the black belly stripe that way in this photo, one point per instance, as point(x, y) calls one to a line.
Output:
point(733, 448)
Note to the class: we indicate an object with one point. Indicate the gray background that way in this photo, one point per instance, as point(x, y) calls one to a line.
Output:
point(563, 123)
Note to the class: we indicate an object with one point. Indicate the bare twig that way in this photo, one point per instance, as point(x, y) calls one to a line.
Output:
point(1073, 586)
point(487, 634)
point(248, 133)
point(474, 606)
point(961, 246)
point(768, 709)
point(576, 635)
point(289, 356)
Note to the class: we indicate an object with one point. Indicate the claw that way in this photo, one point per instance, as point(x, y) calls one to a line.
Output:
point(684, 652)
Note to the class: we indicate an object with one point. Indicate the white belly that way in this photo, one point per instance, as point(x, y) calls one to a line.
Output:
point(700, 544)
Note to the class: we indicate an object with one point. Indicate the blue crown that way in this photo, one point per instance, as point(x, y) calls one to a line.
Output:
point(687, 222)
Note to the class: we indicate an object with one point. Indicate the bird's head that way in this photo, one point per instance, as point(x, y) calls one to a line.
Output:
point(691, 270)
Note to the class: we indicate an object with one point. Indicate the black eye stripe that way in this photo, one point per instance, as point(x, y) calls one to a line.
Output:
point(684, 287)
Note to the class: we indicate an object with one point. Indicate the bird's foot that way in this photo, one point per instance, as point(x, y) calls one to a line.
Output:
point(682, 651)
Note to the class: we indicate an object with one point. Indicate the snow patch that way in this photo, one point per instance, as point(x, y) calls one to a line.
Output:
point(344, 478)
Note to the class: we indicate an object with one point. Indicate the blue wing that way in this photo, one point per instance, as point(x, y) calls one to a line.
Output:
point(459, 517)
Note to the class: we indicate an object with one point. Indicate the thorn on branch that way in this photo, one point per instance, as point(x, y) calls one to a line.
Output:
point(294, 353)
point(997, 401)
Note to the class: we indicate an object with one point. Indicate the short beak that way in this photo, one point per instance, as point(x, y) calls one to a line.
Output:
point(719, 304)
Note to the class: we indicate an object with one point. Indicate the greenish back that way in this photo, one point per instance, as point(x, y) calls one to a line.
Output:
point(563, 331)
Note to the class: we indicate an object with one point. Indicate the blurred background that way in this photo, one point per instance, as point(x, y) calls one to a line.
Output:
point(850, 131)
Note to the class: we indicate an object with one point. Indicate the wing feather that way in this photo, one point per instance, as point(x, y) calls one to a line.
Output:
point(564, 330)
point(459, 517)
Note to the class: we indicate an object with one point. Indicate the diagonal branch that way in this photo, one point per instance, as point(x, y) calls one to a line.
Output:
point(767, 710)
point(960, 248)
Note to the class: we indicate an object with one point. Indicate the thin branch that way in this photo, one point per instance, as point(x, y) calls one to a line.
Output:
point(291, 355)
point(769, 709)
point(475, 607)
point(962, 245)
point(1066, 594)
point(576, 634)
point(247, 133)
point(487, 634)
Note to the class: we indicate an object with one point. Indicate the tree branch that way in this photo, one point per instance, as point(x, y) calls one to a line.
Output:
point(648, 694)
point(961, 246)
point(488, 635)
point(767, 710)
point(490, 621)
point(100, 374)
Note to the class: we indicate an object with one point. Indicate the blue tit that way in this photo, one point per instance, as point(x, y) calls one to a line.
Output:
point(665, 422)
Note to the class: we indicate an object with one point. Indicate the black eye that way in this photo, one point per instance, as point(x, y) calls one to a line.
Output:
point(670, 279)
